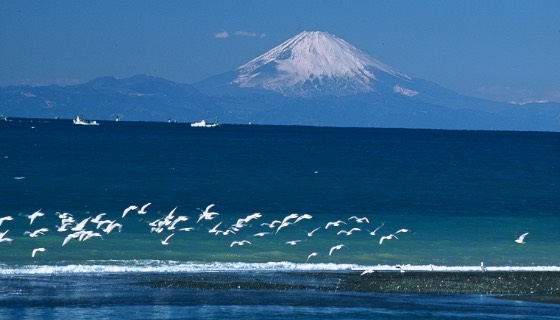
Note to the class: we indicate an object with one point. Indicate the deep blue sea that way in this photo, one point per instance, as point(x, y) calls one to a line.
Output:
point(462, 198)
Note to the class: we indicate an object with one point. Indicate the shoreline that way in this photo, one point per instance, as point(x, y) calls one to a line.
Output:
point(532, 286)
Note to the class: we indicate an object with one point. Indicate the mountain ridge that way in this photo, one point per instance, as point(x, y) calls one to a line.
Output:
point(331, 83)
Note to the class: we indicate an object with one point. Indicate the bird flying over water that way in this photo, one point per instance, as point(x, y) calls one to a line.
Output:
point(143, 209)
point(389, 237)
point(6, 218)
point(35, 215)
point(239, 243)
point(521, 239)
point(313, 254)
point(37, 250)
point(337, 247)
point(166, 241)
point(127, 210)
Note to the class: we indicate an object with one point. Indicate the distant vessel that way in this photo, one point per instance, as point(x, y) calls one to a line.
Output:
point(81, 121)
point(204, 124)
point(3, 118)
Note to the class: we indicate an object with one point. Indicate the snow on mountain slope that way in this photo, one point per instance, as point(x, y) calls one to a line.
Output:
point(315, 62)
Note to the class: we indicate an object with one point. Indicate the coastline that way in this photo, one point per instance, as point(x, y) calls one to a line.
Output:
point(531, 286)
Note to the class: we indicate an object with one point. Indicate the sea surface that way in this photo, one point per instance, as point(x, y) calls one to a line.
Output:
point(451, 199)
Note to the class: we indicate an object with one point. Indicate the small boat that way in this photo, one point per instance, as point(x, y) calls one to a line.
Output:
point(81, 121)
point(3, 118)
point(204, 124)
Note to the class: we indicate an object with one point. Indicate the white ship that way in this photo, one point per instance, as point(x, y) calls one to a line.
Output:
point(204, 124)
point(81, 121)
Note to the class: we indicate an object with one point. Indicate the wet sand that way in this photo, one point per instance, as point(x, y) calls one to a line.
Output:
point(523, 286)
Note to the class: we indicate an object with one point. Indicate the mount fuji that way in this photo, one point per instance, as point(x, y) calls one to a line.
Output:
point(318, 63)
point(316, 78)
point(313, 78)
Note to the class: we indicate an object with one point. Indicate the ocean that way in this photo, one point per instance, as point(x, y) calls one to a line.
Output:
point(454, 201)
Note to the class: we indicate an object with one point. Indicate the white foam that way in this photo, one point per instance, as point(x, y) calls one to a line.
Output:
point(156, 266)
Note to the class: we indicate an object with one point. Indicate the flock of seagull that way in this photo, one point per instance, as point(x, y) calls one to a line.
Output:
point(93, 227)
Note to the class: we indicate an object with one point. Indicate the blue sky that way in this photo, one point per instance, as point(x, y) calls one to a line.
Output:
point(503, 50)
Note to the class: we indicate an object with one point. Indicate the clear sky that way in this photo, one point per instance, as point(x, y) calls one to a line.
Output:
point(503, 50)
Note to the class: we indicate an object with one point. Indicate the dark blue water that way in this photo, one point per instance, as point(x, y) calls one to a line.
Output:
point(465, 196)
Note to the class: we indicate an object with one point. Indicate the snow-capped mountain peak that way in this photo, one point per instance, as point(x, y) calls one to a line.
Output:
point(314, 62)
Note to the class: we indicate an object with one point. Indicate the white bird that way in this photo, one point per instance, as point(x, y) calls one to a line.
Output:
point(304, 216)
point(521, 239)
point(37, 250)
point(389, 237)
point(402, 230)
point(293, 242)
point(80, 226)
point(284, 224)
point(6, 218)
point(374, 231)
point(9, 240)
point(207, 215)
point(261, 234)
point(253, 216)
point(367, 271)
point(2, 234)
point(239, 243)
point(112, 226)
point(71, 236)
point(225, 233)
point(35, 215)
point(36, 233)
point(187, 229)
point(337, 247)
point(359, 220)
point(97, 218)
point(313, 254)
point(310, 233)
point(290, 217)
point(334, 223)
point(166, 241)
point(173, 224)
point(215, 228)
point(272, 224)
point(170, 216)
point(143, 209)
point(349, 232)
point(128, 209)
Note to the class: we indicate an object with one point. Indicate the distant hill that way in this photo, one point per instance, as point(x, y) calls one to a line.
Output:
point(139, 98)
point(314, 78)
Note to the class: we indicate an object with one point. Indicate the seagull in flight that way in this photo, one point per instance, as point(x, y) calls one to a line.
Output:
point(337, 247)
point(367, 271)
point(389, 237)
point(521, 239)
point(313, 254)
point(37, 250)
point(35, 215)
point(206, 214)
point(359, 220)
point(6, 218)
point(374, 231)
point(166, 241)
point(239, 243)
point(334, 223)
point(310, 233)
point(293, 242)
point(127, 210)
point(349, 232)
point(143, 208)
point(402, 230)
